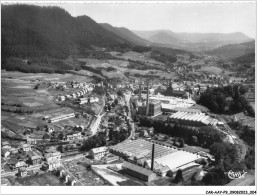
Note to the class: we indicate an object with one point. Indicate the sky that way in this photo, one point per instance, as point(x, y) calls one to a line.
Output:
point(207, 17)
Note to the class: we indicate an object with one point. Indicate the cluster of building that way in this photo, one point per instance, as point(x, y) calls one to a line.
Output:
point(160, 103)
point(88, 100)
point(19, 159)
point(73, 136)
point(144, 160)
point(66, 85)
point(68, 179)
point(53, 161)
point(74, 95)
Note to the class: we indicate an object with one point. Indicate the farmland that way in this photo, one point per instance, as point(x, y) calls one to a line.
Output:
point(142, 66)
point(23, 106)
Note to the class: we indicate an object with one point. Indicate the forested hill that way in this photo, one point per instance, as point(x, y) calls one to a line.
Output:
point(233, 50)
point(31, 31)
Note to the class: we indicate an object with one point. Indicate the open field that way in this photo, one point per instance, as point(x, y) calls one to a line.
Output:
point(131, 55)
point(18, 93)
point(120, 66)
point(210, 70)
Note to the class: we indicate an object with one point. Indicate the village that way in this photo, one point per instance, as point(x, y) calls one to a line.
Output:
point(99, 139)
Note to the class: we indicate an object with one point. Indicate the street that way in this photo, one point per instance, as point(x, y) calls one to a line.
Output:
point(132, 133)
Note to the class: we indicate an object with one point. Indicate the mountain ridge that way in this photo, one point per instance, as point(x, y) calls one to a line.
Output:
point(206, 41)
point(29, 30)
point(231, 51)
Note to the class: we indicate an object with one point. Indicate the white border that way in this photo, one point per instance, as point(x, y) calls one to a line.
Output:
point(122, 189)
point(125, 189)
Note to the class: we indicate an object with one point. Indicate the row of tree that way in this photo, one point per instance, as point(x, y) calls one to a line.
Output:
point(201, 136)
point(14, 64)
point(18, 110)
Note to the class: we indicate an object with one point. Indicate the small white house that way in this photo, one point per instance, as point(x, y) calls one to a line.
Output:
point(5, 153)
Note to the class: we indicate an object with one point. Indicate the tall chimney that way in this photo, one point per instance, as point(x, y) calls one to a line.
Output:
point(147, 99)
point(140, 89)
point(152, 162)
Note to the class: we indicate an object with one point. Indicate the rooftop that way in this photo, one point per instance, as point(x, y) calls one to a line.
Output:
point(137, 168)
point(196, 117)
point(141, 147)
point(100, 149)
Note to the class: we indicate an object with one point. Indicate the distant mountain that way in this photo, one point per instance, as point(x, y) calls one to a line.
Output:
point(149, 34)
point(213, 37)
point(164, 38)
point(33, 31)
point(125, 34)
point(193, 41)
point(233, 50)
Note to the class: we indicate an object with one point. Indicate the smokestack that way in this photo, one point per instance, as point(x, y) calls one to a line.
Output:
point(152, 163)
point(147, 99)
point(140, 89)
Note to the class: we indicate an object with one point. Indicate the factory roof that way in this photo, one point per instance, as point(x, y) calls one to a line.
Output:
point(196, 117)
point(182, 158)
point(141, 147)
point(137, 168)
point(187, 110)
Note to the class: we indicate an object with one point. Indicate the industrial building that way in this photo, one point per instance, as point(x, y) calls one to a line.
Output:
point(138, 172)
point(160, 103)
point(139, 152)
point(172, 102)
point(177, 93)
point(62, 117)
point(192, 119)
point(154, 108)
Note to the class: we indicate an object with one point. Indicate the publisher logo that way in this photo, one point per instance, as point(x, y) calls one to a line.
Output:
point(236, 175)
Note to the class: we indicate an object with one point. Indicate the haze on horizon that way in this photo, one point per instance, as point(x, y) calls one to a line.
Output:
point(219, 17)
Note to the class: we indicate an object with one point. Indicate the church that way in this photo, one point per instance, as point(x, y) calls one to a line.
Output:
point(176, 93)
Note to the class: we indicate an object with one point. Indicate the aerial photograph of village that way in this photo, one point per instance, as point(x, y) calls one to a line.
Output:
point(127, 95)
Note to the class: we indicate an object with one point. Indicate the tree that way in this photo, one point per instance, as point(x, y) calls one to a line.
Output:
point(141, 133)
point(166, 137)
point(208, 179)
point(120, 93)
point(181, 142)
point(179, 176)
point(61, 136)
point(99, 90)
point(169, 173)
point(116, 101)
point(218, 150)
point(194, 140)
point(243, 89)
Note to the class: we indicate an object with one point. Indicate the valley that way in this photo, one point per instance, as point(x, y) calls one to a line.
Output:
point(88, 103)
